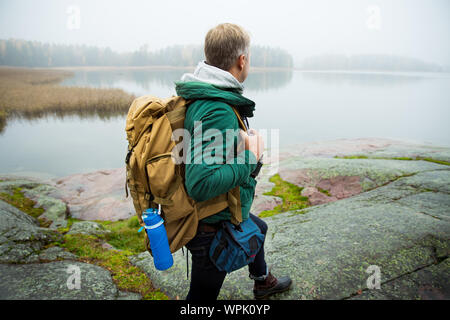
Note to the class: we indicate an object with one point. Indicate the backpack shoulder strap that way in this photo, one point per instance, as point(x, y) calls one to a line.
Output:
point(241, 123)
point(234, 195)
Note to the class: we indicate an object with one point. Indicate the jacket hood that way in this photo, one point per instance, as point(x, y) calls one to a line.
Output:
point(211, 83)
point(213, 75)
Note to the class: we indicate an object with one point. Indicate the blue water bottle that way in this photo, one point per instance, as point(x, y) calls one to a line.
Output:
point(157, 235)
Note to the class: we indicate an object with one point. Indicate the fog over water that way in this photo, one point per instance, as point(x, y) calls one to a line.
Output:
point(414, 28)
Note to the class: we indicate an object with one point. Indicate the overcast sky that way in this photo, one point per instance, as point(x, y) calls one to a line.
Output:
point(415, 28)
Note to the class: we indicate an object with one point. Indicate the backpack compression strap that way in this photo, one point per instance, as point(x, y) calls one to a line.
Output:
point(234, 195)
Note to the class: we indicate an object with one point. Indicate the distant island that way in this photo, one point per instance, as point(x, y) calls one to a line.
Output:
point(368, 62)
point(21, 53)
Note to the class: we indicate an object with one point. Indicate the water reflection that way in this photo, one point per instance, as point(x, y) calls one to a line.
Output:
point(267, 80)
point(81, 114)
point(146, 79)
point(104, 114)
point(365, 78)
point(113, 78)
point(58, 146)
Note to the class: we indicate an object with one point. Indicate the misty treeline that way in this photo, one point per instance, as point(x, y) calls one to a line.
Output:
point(372, 62)
point(23, 53)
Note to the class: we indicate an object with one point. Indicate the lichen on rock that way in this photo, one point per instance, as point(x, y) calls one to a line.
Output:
point(88, 228)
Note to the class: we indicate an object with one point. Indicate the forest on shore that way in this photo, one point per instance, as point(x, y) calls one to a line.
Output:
point(21, 53)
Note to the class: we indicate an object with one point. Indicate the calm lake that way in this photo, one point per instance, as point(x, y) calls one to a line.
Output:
point(303, 106)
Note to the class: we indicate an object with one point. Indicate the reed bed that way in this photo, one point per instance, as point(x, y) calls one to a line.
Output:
point(35, 92)
point(3, 116)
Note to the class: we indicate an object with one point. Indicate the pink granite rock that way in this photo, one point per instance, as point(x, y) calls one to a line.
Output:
point(100, 195)
point(309, 191)
point(341, 186)
point(301, 177)
point(97, 195)
point(262, 203)
point(316, 197)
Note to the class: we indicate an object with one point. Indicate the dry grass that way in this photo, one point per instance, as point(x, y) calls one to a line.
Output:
point(3, 116)
point(35, 92)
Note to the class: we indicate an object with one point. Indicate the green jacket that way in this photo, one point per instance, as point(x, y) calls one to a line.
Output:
point(204, 180)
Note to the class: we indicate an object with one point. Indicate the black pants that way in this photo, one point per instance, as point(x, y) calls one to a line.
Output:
point(206, 279)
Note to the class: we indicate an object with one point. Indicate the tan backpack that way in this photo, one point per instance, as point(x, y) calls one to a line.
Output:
point(154, 178)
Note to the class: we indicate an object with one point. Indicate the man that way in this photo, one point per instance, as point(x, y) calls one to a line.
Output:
point(216, 85)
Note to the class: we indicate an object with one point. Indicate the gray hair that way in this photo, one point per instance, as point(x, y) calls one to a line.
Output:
point(224, 44)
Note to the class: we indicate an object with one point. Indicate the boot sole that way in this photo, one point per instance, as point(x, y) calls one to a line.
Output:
point(273, 292)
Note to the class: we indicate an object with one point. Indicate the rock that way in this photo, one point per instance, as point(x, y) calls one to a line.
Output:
point(424, 284)
point(371, 147)
point(262, 202)
point(309, 191)
point(341, 186)
point(327, 249)
point(173, 281)
point(342, 178)
point(312, 164)
point(88, 227)
point(23, 241)
point(55, 281)
point(316, 197)
point(408, 150)
point(45, 197)
point(56, 253)
point(55, 209)
point(342, 174)
point(21, 237)
point(9, 183)
point(98, 195)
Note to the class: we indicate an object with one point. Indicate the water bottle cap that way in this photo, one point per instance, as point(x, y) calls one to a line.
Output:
point(151, 218)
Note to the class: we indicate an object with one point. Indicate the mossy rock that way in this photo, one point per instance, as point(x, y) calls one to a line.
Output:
point(22, 238)
point(88, 228)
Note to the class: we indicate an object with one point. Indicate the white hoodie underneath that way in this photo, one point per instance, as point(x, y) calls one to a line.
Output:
point(213, 75)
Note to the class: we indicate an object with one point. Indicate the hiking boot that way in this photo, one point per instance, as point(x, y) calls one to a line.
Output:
point(265, 288)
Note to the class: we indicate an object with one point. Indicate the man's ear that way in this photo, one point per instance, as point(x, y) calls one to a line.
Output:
point(241, 62)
